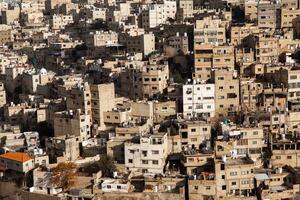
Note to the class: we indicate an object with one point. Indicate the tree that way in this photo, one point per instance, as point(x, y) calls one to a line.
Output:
point(63, 175)
point(106, 165)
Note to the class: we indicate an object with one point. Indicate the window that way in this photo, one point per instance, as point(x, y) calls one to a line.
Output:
point(193, 130)
point(155, 162)
point(293, 77)
point(233, 173)
point(223, 187)
point(129, 160)
point(145, 162)
point(255, 133)
point(118, 186)
point(109, 186)
point(278, 157)
point(196, 187)
point(155, 152)
point(233, 183)
point(289, 157)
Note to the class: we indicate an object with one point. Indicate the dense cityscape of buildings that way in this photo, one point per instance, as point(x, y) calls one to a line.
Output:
point(150, 99)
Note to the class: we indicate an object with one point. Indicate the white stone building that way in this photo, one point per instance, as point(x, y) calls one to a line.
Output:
point(198, 100)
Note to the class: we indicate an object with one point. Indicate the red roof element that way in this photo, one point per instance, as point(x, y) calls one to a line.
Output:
point(16, 156)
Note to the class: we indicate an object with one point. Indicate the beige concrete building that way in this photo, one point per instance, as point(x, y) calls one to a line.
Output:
point(267, 49)
point(202, 186)
point(241, 142)
point(251, 10)
point(266, 15)
point(101, 39)
point(290, 4)
point(148, 154)
point(288, 16)
point(63, 148)
point(75, 123)
point(239, 33)
point(144, 43)
point(10, 16)
point(61, 21)
point(191, 135)
point(32, 80)
point(227, 92)
point(6, 36)
point(285, 153)
point(209, 31)
point(2, 95)
point(158, 13)
point(208, 57)
point(144, 81)
point(80, 98)
point(163, 109)
point(53, 4)
point(250, 89)
point(185, 10)
point(102, 100)
point(234, 177)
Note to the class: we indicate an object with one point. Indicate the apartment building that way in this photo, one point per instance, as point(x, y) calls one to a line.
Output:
point(209, 31)
point(61, 21)
point(242, 141)
point(290, 79)
point(158, 13)
point(33, 80)
point(227, 92)
point(195, 160)
point(191, 135)
point(250, 89)
point(208, 57)
point(288, 16)
point(148, 154)
point(285, 152)
point(234, 177)
point(2, 95)
point(185, 9)
point(202, 187)
point(54, 4)
point(290, 4)
point(102, 99)
point(10, 16)
point(76, 123)
point(144, 43)
point(80, 98)
point(198, 100)
point(6, 36)
point(164, 109)
point(63, 148)
point(144, 81)
point(267, 49)
point(179, 42)
point(267, 15)
point(239, 33)
point(101, 39)
point(251, 10)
